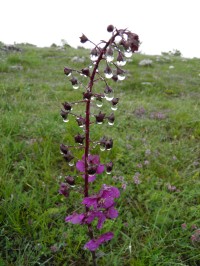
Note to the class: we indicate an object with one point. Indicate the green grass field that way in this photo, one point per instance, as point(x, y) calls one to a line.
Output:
point(156, 154)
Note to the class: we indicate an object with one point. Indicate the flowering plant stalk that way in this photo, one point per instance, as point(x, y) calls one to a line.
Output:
point(106, 60)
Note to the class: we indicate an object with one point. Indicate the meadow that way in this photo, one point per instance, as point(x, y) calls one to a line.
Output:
point(156, 157)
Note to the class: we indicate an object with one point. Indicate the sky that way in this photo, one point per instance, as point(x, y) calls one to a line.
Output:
point(162, 25)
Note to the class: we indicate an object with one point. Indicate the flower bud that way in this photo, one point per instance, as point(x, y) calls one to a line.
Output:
point(108, 90)
point(115, 77)
point(94, 52)
point(74, 81)
point(67, 106)
point(111, 118)
point(100, 117)
point(109, 144)
point(68, 157)
point(87, 95)
point(81, 121)
point(83, 38)
point(103, 141)
point(67, 71)
point(64, 149)
point(64, 189)
point(109, 167)
point(70, 180)
point(79, 138)
point(120, 57)
point(108, 72)
point(115, 101)
point(64, 114)
point(85, 72)
point(110, 28)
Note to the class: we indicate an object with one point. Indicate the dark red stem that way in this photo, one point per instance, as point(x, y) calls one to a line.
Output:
point(87, 135)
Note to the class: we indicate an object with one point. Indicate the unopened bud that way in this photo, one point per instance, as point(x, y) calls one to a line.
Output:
point(111, 118)
point(79, 138)
point(115, 101)
point(109, 144)
point(81, 121)
point(70, 180)
point(87, 95)
point(110, 28)
point(86, 72)
point(67, 106)
point(83, 38)
point(67, 71)
point(109, 167)
point(64, 149)
point(68, 157)
point(100, 117)
point(64, 114)
point(74, 81)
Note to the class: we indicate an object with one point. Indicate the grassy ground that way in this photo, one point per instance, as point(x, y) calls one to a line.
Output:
point(156, 154)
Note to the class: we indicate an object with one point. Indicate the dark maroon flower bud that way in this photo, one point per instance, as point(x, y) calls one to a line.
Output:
point(111, 118)
point(108, 90)
point(115, 77)
point(67, 71)
point(109, 167)
point(64, 189)
point(115, 101)
point(109, 51)
point(120, 57)
point(94, 52)
point(64, 114)
point(70, 180)
point(81, 121)
point(83, 38)
point(79, 138)
point(85, 72)
point(92, 169)
point(110, 28)
point(74, 81)
point(109, 144)
point(100, 117)
point(108, 72)
point(120, 71)
point(87, 95)
point(103, 141)
point(68, 157)
point(67, 106)
point(64, 149)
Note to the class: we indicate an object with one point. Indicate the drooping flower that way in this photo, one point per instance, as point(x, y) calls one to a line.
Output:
point(94, 166)
point(93, 244)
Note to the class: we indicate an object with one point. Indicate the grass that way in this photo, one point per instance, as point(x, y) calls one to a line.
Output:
point(156, 134)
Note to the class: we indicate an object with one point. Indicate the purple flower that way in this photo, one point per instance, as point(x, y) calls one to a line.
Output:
point(104, 199)
point(75, 218)
point(94, 166)
point(93, 244)
point(64, 189)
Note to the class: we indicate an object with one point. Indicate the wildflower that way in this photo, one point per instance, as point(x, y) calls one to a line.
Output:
point(64, 189)
point(94, 166)
point(184, 226)
point(75, 218)
point(93, 244)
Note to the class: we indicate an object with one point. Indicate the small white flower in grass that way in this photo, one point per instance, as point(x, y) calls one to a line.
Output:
point(171, 67)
